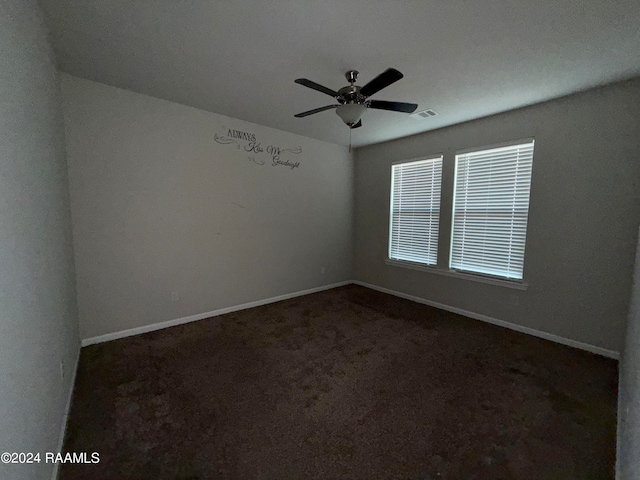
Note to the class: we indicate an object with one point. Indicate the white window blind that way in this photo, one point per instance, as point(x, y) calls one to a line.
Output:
point(490, 210)
point(415, 210)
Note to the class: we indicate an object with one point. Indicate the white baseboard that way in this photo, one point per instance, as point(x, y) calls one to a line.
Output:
point(67, 411)
point(477, 316)
point(200, 316)
point(501, 323)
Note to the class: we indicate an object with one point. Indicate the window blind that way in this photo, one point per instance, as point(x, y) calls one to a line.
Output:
point(490, 210)
point(415, 210)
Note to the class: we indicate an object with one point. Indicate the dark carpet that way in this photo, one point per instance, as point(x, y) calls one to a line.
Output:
point(348, 383)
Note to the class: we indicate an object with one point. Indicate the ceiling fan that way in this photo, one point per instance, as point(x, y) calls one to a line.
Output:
point(354, 100)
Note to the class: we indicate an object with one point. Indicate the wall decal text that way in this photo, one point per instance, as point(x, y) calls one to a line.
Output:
point(259, 153)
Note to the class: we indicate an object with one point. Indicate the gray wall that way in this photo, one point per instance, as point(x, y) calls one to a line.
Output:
point(159, 206)
point(583, 217)
point(38, 324)
point(628, 458)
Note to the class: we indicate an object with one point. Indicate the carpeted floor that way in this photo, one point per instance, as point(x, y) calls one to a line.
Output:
point(348, 383)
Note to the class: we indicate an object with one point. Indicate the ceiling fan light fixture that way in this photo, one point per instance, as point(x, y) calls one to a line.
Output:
point(350, 113)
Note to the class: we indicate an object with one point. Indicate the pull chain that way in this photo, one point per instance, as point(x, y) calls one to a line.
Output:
point(350, 139)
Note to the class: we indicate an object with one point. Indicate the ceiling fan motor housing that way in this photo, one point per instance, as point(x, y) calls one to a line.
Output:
point(350, 94)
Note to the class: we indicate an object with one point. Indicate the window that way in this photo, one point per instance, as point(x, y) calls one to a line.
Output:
point(415, 210)
point(490, 210)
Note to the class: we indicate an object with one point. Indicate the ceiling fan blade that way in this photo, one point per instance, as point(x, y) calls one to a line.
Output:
point(315, 110)
point(357, 125)
point(393, 106)
point(316, 86)
point(386, 78)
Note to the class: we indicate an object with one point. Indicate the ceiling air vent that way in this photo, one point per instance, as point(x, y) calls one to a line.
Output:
point(429, 112)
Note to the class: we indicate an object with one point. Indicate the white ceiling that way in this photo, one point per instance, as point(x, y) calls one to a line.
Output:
point(465, 59)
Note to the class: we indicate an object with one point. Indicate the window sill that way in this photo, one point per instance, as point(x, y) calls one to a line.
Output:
point(518, 285)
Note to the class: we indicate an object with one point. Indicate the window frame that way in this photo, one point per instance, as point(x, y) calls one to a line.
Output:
point(425, 158)
point(465, 151)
